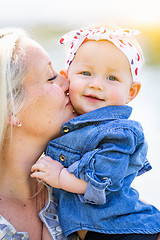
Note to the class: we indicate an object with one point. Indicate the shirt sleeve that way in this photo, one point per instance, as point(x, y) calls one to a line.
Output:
point(105, 168)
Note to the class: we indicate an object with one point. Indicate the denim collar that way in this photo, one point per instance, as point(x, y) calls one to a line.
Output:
point(102, 114)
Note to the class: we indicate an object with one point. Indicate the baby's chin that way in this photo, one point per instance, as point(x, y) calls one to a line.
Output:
point(87, 110)
point(84, 111)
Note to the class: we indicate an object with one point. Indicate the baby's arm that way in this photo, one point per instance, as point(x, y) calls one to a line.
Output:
point(53, 173)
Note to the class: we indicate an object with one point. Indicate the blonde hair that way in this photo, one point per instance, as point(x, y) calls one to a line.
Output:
point(12, 70)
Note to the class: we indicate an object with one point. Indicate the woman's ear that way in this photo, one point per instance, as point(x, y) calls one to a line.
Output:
point(134, 90)
point(64, 73)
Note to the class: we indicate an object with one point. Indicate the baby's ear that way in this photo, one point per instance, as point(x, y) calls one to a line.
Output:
point(134, 90)
point(64, 73)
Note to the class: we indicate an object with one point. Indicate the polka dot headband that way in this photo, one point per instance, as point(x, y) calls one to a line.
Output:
point(118, 37)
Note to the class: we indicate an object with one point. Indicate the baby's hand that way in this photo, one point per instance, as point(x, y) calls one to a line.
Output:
point(47, 170)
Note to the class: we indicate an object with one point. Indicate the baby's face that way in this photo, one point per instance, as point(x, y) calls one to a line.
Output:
point(99, 76)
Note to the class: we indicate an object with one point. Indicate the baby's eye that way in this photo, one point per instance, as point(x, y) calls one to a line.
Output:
point(53, 78)
point(86, 73)
point(111, 78)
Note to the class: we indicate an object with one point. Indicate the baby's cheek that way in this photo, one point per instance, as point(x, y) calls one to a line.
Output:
point(118, 98)
point(72, 95)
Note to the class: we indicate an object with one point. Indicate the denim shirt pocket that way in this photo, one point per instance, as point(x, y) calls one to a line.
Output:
point(63, 154)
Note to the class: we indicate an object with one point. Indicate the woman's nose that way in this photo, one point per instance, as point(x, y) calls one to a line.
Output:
point(63, 82)
point(96, 84)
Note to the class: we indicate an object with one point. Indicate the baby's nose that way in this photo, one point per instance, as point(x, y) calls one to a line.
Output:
point(96, 84)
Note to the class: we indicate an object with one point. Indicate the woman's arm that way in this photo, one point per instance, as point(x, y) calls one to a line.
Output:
point(53, 173)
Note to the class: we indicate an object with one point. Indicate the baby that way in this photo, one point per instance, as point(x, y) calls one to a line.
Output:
point(101, 150)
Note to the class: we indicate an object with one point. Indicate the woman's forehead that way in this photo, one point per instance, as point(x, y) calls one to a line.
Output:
point(36, 56)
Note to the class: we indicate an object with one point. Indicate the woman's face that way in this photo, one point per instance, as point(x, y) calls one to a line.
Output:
point(46, 104)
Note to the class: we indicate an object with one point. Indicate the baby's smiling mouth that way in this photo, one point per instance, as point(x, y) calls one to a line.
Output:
point(94, 97)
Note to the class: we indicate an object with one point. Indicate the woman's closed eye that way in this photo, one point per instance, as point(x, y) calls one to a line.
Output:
point(52, 78)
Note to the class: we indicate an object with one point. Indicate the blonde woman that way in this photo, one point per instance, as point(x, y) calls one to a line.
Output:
point(33, 106)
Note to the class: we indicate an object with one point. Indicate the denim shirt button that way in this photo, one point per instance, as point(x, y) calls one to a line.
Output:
point(65, 129)
point(104, 178)
point(62, 158)
point(55, 217)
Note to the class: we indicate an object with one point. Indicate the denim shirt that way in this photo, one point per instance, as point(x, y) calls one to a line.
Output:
point(107, 150)
point(48, 215)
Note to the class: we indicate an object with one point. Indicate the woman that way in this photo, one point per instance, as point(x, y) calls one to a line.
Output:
point(33, 106)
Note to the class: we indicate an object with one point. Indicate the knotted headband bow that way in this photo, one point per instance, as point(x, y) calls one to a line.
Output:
point(120, 38)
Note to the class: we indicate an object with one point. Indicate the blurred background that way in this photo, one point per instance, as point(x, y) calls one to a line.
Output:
point(47, 20)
